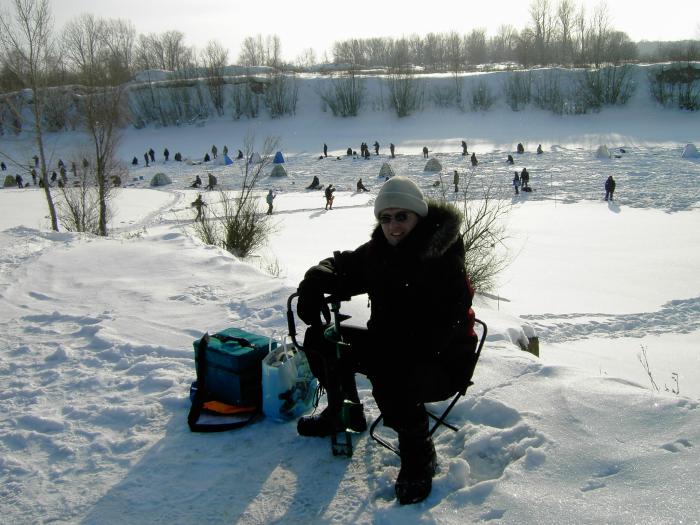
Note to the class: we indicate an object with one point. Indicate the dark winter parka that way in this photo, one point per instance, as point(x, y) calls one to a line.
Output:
point(418, 292)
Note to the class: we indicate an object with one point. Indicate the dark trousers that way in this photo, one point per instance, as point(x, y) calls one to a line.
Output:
point(400, 385)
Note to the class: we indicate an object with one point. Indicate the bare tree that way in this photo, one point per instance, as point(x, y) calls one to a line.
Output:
point(600, 33)
point(27, 37)
point(542, 29)
point(484, 205)
point(565, 21)
point(273, 51)
point(582, 33)
point(475, 46)
point(503, 45)
point(120, 36)
point(241, 227)
point(100, 103)
point(307, 58)
point(251, 52)
point(215, 58)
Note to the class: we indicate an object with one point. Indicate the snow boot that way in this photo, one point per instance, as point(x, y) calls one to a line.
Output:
point(328, 422)
point(418, 459)
point(418, 466)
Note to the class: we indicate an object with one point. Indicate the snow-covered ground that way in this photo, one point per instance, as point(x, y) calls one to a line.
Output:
point(96, 334)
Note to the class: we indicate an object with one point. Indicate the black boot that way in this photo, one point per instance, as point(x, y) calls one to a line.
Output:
point(418, 458)
point(418, 465)
point(329, 422)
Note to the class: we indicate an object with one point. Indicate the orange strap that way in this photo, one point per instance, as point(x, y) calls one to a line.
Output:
point(223, 408)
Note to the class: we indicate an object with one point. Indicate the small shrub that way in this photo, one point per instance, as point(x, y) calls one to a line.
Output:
point(676, 86)
point(282, 95)
point(344, 95)
point(518, 90)
point(405, 93)
point(481, 97)
point(548, 93)
point(444, 96)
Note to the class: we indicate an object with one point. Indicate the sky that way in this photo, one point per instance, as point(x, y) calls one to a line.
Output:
point(317, 24)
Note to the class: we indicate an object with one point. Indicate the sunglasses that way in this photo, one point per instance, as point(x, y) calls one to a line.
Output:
point(401, 216)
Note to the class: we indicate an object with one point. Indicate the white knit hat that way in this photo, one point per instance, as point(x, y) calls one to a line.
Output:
point(400, 192)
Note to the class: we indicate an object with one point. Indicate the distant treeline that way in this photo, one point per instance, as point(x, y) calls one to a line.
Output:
point(562, 35)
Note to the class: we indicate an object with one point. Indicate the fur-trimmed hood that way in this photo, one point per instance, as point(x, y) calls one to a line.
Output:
point(432, 236)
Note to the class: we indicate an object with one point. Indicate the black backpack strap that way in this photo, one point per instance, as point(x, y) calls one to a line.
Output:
point(200, 397)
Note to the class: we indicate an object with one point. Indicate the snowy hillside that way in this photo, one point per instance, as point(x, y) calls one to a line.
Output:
point(96, 334)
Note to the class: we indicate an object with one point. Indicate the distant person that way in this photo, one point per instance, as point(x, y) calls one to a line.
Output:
point(315, 184)
point(521, 148)
point(525, 179)
point(609, 188)
point(86, 163)
point(516, 183)
point(269, 199)
point(391, 149)
point(240, 155)
point(366, 152)
point(206, 157)
point(349, 152)
point(329, 197)
point(36, 161)
point(60, 164)
point(18, 181)
point(510, 160)
point(214, 151)
point(325, 150)
point(152, 154)
point(455, 180)
point(145, 157)
point(166, 154)
point(361, 186)
point(425, 152)
point(212, 181)
point(198, 204)
point(539, 149)
point(376, 147)
point(62, 171)
point(464, 148)
point(54, 176)
point(225, 150)
point(178, 157)
point(2, 166)
point(33, 176)
point(473, 160)
point(197, 182)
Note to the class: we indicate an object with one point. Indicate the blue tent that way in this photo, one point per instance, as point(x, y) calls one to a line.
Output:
point(279, 158)
point(227, 160)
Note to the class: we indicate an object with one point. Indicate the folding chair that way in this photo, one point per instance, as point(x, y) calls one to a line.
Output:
point(441, 419)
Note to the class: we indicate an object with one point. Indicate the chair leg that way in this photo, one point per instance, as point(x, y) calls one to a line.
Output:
point(380, 439)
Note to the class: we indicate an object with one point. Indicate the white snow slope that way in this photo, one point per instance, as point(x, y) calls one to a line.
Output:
point(96, 334)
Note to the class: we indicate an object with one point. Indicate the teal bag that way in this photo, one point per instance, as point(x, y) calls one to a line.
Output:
point(232, 366)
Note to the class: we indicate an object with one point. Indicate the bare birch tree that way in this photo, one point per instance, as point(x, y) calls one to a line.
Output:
point(26, 35)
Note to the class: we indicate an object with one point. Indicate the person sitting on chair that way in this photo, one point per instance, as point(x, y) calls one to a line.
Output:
point(418, 342)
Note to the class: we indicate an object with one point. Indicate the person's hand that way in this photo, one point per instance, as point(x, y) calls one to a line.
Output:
point(309, 303)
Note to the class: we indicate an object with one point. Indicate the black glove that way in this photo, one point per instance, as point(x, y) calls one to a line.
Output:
point(310, 303)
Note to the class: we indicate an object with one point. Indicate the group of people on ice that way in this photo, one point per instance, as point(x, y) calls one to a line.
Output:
point(149, 156)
